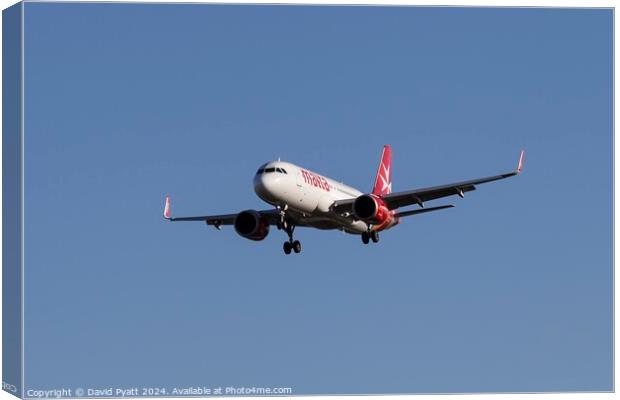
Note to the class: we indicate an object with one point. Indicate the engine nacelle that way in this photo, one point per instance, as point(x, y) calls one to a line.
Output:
point(371, 209)
point(251, 225)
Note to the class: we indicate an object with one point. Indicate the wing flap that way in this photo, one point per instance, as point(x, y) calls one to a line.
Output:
point(422, 210)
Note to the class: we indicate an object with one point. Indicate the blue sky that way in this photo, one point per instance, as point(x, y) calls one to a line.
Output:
point(511, 290)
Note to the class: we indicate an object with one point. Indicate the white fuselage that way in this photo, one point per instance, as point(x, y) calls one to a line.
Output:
point(307, 195)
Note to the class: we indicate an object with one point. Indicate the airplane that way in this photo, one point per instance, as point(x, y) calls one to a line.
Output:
point(304, 198)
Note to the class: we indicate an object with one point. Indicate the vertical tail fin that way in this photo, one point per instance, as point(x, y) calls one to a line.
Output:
point(383, 181)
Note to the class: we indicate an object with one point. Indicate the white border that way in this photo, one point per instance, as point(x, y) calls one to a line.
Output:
point(478, 3)
point(23, 208)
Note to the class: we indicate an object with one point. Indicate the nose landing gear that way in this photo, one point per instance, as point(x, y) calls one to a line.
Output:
point(293, 245)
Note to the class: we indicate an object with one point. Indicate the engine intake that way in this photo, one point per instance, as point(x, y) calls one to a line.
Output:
point(365, 207)
point(373, 210)
point(251, 225)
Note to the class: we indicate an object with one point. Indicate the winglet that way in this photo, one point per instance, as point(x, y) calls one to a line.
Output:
point(167, 212)
point(521, 159)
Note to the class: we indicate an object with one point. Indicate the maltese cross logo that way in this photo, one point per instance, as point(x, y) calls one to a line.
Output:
point(385, 179)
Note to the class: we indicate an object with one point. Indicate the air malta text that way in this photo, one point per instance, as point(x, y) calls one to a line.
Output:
point(315, 180)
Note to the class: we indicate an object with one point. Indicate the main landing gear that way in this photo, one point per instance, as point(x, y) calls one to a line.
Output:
point(370, 235)
point(293, 245)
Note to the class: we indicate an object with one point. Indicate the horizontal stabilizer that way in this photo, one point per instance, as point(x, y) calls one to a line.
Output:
point(422, 210)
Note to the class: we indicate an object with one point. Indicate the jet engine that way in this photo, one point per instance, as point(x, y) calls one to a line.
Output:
point(251, 225)
point(371, 209)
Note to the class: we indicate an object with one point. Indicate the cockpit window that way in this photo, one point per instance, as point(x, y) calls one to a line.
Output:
point(262, 170)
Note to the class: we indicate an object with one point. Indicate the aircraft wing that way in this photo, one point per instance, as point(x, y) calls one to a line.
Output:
point(225, 219)
point(422, 210)
point(419, 196)
point(273, 216)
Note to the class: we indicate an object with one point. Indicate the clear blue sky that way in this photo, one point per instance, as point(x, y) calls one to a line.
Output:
point(509, 291)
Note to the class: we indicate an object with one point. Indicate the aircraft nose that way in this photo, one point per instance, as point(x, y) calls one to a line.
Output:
point(265, 186)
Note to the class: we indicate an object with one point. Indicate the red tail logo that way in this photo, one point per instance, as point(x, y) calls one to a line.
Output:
point(383, 181)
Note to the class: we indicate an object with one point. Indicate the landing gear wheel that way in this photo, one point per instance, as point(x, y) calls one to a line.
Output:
point(279, 225)
point(287, 247)
point(374, 235)
point(365, 237)
point(291, 244)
